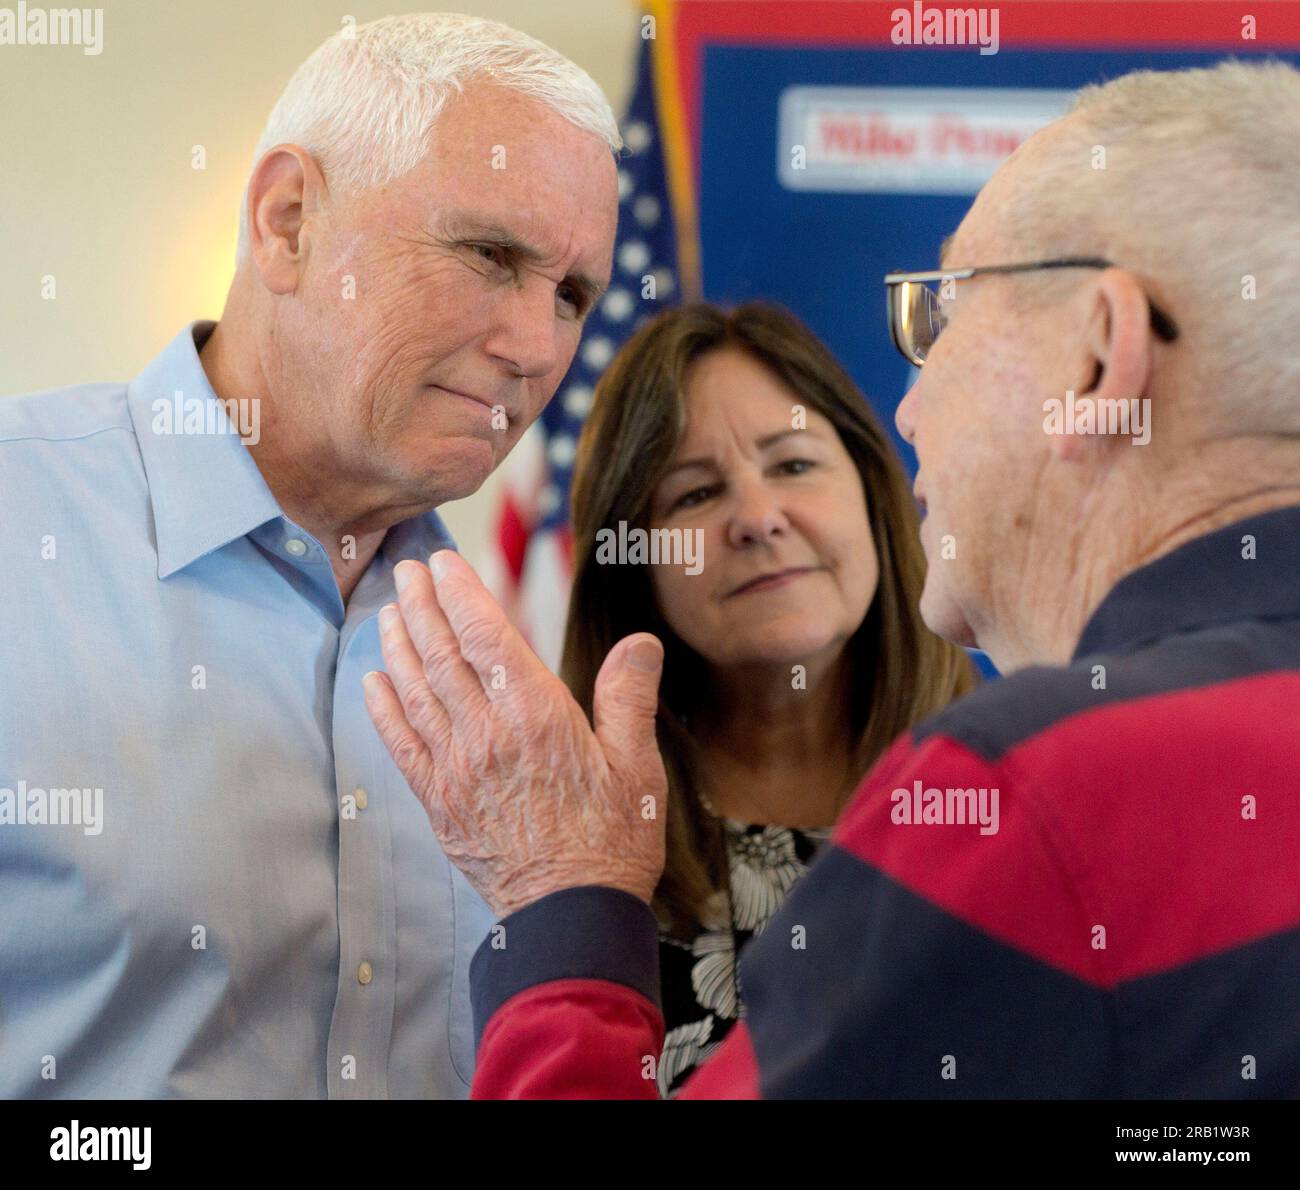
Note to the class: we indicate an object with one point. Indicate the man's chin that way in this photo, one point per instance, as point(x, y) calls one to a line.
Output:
point(944, 617)
point(453, 475)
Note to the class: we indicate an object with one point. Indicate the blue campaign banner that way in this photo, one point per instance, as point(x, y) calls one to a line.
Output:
point(820, 241)
point(822, 251)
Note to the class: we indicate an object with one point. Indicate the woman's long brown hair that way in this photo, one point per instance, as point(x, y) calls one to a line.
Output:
point(901, 672)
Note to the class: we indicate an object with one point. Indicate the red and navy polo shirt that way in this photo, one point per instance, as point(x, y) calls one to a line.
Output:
point(1079, 880)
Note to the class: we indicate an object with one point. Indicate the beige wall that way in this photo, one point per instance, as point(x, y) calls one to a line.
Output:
point(97, 187)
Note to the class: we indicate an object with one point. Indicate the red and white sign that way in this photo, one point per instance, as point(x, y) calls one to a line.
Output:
point(942, 140)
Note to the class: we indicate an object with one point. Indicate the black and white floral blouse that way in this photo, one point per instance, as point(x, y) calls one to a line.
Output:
point(698, 978)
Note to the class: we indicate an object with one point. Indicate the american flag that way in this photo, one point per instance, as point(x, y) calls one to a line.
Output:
point(530, 564)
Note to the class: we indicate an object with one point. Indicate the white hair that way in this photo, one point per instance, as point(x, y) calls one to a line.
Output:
point(363, 104)
point(1190, 178)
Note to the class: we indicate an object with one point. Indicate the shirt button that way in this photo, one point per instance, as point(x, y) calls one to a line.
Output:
point(362, 800)
point(365, 973)
point(295, 547)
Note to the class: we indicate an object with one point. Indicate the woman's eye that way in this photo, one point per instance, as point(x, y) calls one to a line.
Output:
point(693, 497)
point(799, 466)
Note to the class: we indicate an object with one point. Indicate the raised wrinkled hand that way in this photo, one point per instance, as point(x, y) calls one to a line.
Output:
point(524, 797)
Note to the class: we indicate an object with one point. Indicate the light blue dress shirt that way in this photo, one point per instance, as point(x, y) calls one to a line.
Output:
point(258, 908)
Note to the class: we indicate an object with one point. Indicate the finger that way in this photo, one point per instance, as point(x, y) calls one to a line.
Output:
point(625, 700)
point(420, 704)
point(408, 749)
point(449, 675)
point(486, 638)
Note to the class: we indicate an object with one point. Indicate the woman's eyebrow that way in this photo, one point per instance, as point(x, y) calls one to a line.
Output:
point(703, 463)
point(773, 439)
point(706, 462)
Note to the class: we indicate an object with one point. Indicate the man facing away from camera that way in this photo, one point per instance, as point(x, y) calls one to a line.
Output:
point(1127, 923)
point(214, 880)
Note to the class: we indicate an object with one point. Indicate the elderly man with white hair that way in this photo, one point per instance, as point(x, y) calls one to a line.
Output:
point(1081, 880)
point(215, 882)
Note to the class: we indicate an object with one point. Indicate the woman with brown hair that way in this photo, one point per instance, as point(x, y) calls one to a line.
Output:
point(794, 652)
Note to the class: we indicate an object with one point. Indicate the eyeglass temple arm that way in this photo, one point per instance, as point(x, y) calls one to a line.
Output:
point(1161, 323)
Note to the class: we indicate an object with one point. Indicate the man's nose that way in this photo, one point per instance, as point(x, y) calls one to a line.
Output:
point(905, 414)
point(525, 334)
point(756, 513)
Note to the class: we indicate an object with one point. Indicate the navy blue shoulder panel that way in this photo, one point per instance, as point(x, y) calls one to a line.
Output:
point(997, 717)
point(890, 996)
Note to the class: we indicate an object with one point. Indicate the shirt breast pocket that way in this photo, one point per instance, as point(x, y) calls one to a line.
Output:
point(472, 920)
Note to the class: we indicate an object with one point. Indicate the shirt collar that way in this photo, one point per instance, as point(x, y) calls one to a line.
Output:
point(416, 539)
point(204, 488)
point(1249, 570)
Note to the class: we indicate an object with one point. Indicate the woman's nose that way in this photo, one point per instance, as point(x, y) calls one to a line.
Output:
point(756, 514)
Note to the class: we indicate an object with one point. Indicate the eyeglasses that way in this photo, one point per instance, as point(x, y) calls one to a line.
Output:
point(916, 314)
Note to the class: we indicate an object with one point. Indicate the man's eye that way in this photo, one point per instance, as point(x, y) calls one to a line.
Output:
point(492, 253)
point(571, 297)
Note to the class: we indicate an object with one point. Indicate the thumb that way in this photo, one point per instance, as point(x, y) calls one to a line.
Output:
point(626, 698)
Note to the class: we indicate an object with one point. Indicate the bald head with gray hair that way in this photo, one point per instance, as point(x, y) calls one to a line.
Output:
point(1190, 179)
point(364, 102)
point(1066, 434)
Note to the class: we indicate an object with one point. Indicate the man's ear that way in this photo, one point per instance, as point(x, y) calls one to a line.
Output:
point(1117, 357)
point(285, 190)
point(1117, 337)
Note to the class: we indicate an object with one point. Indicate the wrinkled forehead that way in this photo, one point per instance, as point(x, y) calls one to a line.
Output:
point(506, 164)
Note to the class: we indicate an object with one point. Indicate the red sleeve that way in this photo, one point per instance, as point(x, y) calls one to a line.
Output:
point(566, 1000)
point(566, 995)
point(571, 1039)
